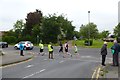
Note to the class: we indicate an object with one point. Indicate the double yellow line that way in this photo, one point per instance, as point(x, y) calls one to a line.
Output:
point(96, 73)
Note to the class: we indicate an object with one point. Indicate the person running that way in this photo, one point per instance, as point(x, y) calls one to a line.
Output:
point(50, 49)
point(66, 50)
point(75, 47)
point(61, 48)
point(41, 48)
point(76, 50)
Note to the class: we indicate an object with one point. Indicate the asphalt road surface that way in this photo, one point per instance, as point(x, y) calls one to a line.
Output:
point(77, 66)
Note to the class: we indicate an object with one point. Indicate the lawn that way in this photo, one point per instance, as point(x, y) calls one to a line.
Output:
point(96, 44)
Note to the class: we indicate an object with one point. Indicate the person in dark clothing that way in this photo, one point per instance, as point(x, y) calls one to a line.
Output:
point(61, 47)
point(116, 53)
point(104, 53)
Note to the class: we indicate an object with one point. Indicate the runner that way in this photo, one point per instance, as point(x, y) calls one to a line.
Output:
point(76, 51)
point(66, 50)
point(41, 48)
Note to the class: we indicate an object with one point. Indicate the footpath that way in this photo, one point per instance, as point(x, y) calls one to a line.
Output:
point(109, 72)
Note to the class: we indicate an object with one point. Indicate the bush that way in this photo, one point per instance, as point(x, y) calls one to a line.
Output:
point(9, 39)
point(88, 42)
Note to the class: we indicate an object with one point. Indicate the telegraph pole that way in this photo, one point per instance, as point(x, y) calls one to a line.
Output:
point(89, 28)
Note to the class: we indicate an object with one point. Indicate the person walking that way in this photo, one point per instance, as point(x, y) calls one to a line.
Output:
point(41, 46)
point(104, 53)
point(21, 49)
point(116, 50)
point(50, 49)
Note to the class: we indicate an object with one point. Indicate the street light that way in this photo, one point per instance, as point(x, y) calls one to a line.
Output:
point(89, 28)
point(88, 16)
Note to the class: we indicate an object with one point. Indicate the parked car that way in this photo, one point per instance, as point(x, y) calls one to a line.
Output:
point(27, 45)
point(3, 44)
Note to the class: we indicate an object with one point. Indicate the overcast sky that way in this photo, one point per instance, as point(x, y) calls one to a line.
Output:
point(104, 13)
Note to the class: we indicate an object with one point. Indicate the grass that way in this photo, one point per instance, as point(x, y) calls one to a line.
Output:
point(96, 44)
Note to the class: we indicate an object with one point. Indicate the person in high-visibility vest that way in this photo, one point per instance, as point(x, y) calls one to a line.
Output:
point(41, 48)
point(50, 49)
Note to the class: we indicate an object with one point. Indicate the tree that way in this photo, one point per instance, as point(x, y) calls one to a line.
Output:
point(76, 34)
point(89, 30)
point(67, 29)
point(18, 28)
point(117, 30)
point(33, 18)
point(104, 34)
point(19, 25)
point(51, 29)
point(56, 28)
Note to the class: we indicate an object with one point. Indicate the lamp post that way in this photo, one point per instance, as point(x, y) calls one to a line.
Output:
point(89, 28)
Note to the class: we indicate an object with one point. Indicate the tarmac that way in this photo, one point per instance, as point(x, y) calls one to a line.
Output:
point(107, 72)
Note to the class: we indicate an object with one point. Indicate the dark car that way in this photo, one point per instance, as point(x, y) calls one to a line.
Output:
point(3, 44)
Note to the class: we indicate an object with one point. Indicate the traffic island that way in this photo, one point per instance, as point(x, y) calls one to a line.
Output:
point(9, 59)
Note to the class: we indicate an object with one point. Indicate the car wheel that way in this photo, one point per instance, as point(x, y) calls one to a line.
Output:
point(25, 48)
point(15, 47)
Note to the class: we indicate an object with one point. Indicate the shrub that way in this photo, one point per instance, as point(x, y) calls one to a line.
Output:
point(88, 42)
point(9, 39)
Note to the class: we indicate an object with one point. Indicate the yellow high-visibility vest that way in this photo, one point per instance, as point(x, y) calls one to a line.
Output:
point(49, 48)
point(41, 46)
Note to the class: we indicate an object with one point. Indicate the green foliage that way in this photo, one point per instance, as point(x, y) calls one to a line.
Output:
point(19, 25)
point(77, 34)
point(51, 29)
point(56, 28)
point(89, 30)
point(117, 30)
point(18, 28)
point(104, 34)
point(9, 39)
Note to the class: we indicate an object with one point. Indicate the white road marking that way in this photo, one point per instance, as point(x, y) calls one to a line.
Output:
point(61, 61)
point(45, 59)
point(34, 73)
point(86, 56)
point(29, 66)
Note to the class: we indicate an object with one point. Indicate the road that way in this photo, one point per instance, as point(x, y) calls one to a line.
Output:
point(80, 66)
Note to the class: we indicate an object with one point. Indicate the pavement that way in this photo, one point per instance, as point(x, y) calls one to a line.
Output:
point(12, 58)
point(109, 72)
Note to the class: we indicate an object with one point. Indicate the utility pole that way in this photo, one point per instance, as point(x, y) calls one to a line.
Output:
point(89, 28)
